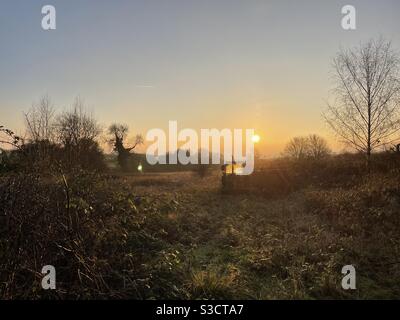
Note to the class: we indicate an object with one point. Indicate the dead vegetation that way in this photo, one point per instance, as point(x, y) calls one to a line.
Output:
point(177, 236)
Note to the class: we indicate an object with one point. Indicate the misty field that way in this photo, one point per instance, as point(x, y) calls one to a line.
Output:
point(178, 236)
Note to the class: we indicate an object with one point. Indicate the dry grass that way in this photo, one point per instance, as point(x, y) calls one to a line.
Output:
point(177, 236)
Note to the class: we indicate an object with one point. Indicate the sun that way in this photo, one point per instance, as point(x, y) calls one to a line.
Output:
point(256, 138)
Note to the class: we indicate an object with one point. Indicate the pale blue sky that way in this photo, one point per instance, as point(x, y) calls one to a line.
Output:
point(222, 63)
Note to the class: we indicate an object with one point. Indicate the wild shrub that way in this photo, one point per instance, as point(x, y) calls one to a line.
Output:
point(100, 239)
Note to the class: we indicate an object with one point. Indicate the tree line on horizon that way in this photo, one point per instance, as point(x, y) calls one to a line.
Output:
point(364, 114)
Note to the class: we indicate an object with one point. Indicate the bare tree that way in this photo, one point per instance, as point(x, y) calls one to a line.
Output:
point(312, 147)
point(297, 148)
point(317, 147)
point(119, 133)
point(365, 114)
point(77, 125)
point(39, 121)
point(77, 132)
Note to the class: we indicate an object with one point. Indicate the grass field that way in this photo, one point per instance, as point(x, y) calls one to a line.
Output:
point(177, 236)
point(243, 246)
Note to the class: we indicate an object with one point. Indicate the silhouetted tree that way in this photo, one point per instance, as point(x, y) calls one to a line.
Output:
point(317, 147)
point(77, 131)
point(76, 125)
point(119, 133)
point(365, 114)
point(40, 130)
point(311, 147)
point(40, 121)
point(296, 148)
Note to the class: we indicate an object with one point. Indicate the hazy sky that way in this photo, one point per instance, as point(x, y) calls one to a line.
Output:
point(223, 63)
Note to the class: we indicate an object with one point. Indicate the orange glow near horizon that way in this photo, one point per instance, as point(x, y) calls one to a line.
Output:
point(256, 138)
